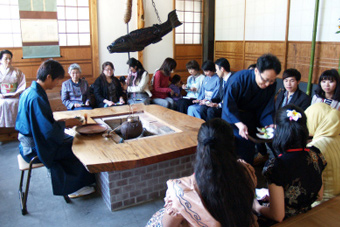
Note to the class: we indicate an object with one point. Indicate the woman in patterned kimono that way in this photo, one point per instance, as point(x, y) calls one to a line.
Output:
point(295, 176)
point(12, 83)
point(219, 193)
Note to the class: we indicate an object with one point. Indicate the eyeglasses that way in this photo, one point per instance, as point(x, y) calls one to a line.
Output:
point(109, 70)
point(266, 81)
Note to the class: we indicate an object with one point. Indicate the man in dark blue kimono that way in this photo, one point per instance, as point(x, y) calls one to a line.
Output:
point(249, 102)
point(40, 135)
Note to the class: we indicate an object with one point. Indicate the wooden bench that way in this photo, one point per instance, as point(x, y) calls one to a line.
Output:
point(325, 214)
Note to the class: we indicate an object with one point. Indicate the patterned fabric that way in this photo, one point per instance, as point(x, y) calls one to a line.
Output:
point(195, 81)
point(299, 173)
point(333, 103)
point(12, 82)
point(156, 219)
point(182, 201)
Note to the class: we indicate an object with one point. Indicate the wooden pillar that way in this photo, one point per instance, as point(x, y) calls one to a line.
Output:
point(208, 30)
point(140, 24)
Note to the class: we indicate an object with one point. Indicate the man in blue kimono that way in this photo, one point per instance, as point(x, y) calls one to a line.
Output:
point(40, 135)
point(249, 102)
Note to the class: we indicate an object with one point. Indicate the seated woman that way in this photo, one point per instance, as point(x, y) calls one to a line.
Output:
point(107, 89)
point(221, 190)
point(328, 89)
point(40, 135)
point(295, 176)
point(292, 93)
point(324, 125)
point(12, 84)
point(138, 83)
point(160, 84)
point(209, 90)
point(75, 92)
point(193, 86)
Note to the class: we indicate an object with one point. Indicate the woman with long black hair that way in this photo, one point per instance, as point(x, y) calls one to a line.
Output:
point(295, 176)
point(138, 83)
point(219, 193)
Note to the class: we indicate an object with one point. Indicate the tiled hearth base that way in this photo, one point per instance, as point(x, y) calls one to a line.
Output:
point(121, 189)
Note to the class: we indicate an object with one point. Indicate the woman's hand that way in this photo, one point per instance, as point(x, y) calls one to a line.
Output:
point(184, 86)
point(213, 104)
point(196, 101)
point(87, 103)
point(109, 103)
point(121, 100)
point(77, 105)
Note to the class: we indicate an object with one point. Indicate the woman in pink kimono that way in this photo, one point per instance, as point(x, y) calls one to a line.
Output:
point(12, 84)
point(221, 190)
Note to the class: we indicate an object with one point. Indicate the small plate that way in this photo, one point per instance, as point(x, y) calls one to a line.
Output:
point(265, 136)
point(91, 129)
point(267, 130)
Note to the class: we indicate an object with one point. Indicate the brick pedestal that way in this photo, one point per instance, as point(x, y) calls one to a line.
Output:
point(121, 189)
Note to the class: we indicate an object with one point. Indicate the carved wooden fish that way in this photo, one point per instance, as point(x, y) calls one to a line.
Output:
point(138, 39)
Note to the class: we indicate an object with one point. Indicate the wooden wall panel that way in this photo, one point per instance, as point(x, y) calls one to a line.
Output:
point(326, 57)
point(231, 50)
point(184, 53)
point(81, 55)
point(298, 55)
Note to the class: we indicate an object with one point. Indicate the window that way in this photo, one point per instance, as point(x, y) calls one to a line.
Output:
point(73, 23)
point(190, 14)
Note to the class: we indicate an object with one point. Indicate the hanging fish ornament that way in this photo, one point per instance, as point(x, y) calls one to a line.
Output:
point(137, 40)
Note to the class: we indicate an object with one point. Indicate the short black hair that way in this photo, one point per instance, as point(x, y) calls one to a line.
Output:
point(193, 64)
point(175, 79)
point(268, 61)
point(50, 67)
point(223, 62)
point(208, 65)
point(5, 52)
point(252, 66)
point(291, 73)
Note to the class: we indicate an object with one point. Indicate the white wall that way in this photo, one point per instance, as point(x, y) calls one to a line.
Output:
point(302, 19)
point(266, 20)
point(111, 26)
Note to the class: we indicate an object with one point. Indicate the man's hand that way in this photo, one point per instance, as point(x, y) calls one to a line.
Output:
point(243, 130)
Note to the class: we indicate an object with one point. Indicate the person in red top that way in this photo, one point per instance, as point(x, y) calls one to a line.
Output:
point(160, 84)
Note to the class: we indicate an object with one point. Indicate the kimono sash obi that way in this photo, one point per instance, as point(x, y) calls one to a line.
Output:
point(27, 143)
point(8, 87)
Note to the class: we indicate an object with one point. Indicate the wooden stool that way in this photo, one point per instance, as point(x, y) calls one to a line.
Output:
point(23, 166)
